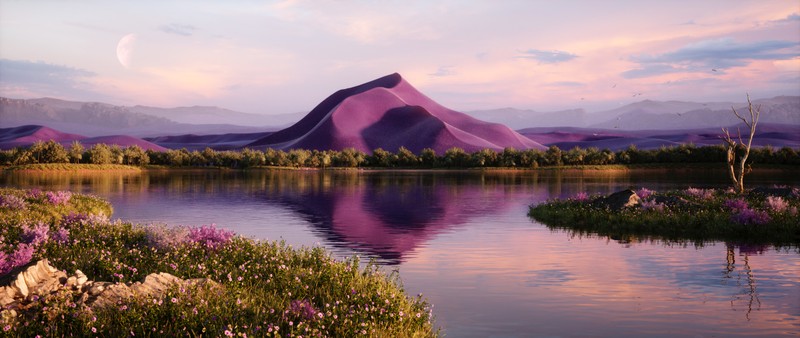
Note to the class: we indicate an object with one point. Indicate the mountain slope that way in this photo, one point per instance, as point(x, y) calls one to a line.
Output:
point(25, 136)
point(389, 113)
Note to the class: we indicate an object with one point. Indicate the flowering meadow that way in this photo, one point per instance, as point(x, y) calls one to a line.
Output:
point(761, 215)
point(263, 289)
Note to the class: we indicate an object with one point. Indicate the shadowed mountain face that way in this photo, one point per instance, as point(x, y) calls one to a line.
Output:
point(389, 113)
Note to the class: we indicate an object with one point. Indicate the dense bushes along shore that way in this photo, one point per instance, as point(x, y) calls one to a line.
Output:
point(257, 288)
point(53, 152)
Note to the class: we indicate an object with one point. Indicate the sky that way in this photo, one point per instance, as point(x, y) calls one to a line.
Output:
point(274, 57)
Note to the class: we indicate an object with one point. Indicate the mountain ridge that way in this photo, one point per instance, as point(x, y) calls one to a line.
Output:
point(388, 113)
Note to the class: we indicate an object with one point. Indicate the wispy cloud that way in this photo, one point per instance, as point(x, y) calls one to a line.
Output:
point(547, 56)
point(568, 84)
point(178, 29)
point(39, 78)
point(794, 17)
point(28, 72)
point(712, 55)
point(443, 71)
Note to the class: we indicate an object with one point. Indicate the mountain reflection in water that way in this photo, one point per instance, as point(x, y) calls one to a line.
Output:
point(387, 215)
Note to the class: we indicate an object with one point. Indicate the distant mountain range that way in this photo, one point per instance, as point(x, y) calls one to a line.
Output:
point(216, 115)
point(648, 114)
point(96, 119)
point(388, 113)
point(776, 135)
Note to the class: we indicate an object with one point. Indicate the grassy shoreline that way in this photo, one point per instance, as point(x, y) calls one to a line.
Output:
point(268, 288)
point(82, 167)
point(696, 215)
point(72, 167)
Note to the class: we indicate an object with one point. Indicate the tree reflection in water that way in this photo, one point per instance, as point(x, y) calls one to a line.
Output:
point(751, 290)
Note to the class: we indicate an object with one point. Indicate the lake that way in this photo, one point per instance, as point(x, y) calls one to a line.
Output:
point(464, 241)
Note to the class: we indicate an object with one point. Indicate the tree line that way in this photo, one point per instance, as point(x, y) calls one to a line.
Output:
point(53, 152)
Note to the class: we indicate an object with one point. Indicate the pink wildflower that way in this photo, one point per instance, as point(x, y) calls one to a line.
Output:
point(58, 197)
point(581, 197)
point(777, 203)
point(210, 236)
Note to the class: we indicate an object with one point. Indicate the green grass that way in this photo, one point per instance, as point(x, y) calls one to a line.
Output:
point(72, 167)
point(699, 219)
point(260, 282)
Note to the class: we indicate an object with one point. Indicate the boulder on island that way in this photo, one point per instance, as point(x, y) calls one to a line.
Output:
point(618, 200)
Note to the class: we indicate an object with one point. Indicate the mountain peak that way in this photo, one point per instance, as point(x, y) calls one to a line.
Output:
point(390, 113)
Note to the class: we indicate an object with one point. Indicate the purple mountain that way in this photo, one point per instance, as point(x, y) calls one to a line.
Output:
point(24, 136)
point(389, 113)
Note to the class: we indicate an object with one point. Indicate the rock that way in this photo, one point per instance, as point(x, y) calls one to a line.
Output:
point(81, 278)
point(618, 200)
point(40, 279)
point(96, 289)
point(20, 285)
point(110, 296)
point(72, 282)
point(36, 279)
point(6, 296)
point(156, 284)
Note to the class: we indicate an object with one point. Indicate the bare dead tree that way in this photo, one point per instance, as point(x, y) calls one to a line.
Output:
point(734, 158)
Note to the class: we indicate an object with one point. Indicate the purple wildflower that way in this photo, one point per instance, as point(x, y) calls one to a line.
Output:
point(61, 236)
point(21, 256)
point(58, 197)
point(5, 262)
point(36, 234)
point(653, 205)
point(303, 308)
point(74, 219)
point(161, 236)
point(12, 202)
point(644, 193)
point(704, 194)
point(750, 216)
point(209, 235)
point(737, 204)
point(35, 193)
point(777, 203)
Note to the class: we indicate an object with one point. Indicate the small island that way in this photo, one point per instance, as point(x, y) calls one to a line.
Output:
point(758, 216)
point(66, 269)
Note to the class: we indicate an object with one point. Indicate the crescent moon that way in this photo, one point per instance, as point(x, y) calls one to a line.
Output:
point(124, 49)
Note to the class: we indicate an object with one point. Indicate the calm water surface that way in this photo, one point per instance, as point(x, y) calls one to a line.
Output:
point(464, 241)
